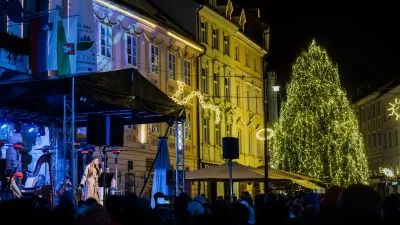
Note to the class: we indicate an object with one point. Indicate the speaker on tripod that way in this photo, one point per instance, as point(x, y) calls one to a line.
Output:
point(230, 147)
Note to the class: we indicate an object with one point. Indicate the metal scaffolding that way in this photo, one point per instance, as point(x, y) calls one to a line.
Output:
point(180, 157)
point(70, 166)
point(53, 136)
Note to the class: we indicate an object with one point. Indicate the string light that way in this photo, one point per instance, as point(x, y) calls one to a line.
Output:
point(394, 109)
point(317, 133)
point(197, 94)
point(261, 137)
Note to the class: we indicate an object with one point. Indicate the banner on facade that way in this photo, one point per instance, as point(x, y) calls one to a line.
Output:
point(44, 42)
point(66, 46)
point(86, 53)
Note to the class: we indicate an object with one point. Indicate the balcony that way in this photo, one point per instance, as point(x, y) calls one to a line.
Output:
point(14, 53)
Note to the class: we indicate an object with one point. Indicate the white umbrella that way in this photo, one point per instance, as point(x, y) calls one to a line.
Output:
point(161, 167)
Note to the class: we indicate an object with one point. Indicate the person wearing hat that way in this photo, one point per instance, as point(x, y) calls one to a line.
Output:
point(15, 184)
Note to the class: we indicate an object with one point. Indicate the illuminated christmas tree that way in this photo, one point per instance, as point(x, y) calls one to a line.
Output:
point(317, 133)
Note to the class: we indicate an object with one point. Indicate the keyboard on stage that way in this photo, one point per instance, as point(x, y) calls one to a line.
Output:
point(38, 192)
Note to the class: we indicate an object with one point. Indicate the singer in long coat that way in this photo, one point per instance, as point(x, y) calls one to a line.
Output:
point(90, 180)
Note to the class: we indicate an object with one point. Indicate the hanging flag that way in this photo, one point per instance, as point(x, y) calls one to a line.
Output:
point(66, 46)
point(44, 42)
point(86, 58)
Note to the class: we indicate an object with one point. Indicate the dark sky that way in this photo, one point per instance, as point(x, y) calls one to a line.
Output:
point(362, 38)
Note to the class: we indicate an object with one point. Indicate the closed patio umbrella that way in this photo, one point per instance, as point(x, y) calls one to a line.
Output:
point(161, 167)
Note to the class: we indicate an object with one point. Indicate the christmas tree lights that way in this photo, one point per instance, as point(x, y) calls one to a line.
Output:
point(394, 109)
point(197, 94)
point(317, 133)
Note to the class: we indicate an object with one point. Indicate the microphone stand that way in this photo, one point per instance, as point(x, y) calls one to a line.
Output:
point(105, 160)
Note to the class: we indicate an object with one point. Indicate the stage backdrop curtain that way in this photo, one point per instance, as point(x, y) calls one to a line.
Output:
point(161, 167)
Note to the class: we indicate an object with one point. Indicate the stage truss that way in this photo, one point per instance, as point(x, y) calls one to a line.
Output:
point(180, 157)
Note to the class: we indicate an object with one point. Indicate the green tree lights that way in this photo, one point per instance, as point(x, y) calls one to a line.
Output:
point(317, 133)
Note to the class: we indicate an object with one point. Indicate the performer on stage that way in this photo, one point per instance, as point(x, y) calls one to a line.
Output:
point(15, 184)
point(91, 177)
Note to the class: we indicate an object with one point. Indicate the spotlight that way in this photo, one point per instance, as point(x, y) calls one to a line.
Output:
point(4, 126)
point(31, 129)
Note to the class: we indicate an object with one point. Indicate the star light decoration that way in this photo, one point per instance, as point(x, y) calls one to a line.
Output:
point(387, 172)
point(261, 137)
point(394, 109)
point(197, 94)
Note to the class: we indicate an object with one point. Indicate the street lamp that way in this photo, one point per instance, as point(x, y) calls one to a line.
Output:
point(275, 88)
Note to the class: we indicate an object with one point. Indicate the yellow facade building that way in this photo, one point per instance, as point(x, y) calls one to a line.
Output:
point(231, 77)
point(137, 34)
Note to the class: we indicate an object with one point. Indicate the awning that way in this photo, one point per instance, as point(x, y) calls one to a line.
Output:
point(99, 92)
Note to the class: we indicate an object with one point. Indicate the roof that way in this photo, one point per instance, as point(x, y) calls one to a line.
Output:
point(152, 11)
point(114, 91)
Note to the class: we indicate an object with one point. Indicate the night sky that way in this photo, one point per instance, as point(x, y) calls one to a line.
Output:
point(362, 39)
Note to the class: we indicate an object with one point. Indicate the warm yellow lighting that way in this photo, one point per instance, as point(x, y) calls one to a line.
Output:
point(184, 41)
point(241, 35)
point(143, 133)
point(394, 109)
point(261, 137)
point(201, 100)
point(125, 12)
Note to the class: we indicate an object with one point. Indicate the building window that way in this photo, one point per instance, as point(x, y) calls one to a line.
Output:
point(227, 89)
point(257, 108)
point(374, 139)
point(172, 131)
point(247, 57)
point(171, 66)
point(204, 79)
point(248, 99)
point(206, 130)
point(379, 139)
point(218, 137)
point(154, 128)
point(215, 37)
point(204, 33)
point(226, 44)
point(131, 50)
point(396, 137)
point(384, 141)
point(155, 59)
point(106, 40)
point(378, 108)
point(188, 130)
point(255, 64)
point(238, 94)
point(390, 139)
point(228, 130)
point(237, 52)
point(239, 136)
point(186, 72)
point(216, 84)
point(250, 143)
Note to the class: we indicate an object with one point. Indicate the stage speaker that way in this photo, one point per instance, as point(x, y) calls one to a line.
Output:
point(130, 165)
point(3, 164)
point(230, 147)
point(170, 177)
point(105, 130)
